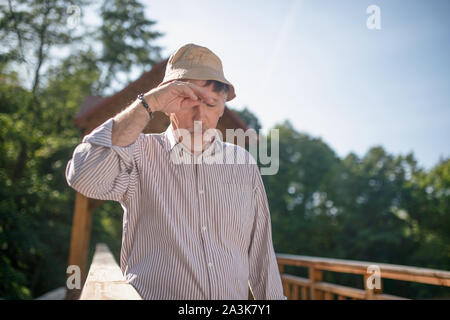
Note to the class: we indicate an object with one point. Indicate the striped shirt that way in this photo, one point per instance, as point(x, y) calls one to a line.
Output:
point(191, 230)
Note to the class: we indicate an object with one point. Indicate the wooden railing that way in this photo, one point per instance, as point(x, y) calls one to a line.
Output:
point(105, 280)
point(314, 288)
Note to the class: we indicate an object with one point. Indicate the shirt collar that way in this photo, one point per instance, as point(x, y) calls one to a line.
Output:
point(172, 141)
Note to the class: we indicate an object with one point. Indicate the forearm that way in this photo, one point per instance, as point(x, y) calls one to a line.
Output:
point(128, 124)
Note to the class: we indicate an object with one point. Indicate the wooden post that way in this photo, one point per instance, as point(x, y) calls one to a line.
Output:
point(315, 276)
point(294, 294)
point(287, 289)
point(304, 293)
point(281, 268)
point(329, 295)
point(370, 292)
point(79, 243)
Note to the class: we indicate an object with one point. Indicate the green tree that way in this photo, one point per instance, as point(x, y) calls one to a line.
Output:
point(425, 207)
point(36, 204)
point(249, 118)
point(127, 40)
point(380, 208)
point(37, 138)
point(302, 214)
point(31, 29)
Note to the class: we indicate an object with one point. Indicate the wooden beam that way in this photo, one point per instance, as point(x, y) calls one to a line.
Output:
point(352, 292)
point(329, 295)
point(105, 280)
point(304, 293)
point(371, 292)
point(341, 290)
point(287, 289)
point(388, 271)
point(79, 242)
point(314, 277)
point(295, 292)
point(300, 281)
point(281, 268)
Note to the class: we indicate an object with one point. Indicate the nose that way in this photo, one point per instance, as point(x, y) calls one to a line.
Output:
point(200, 112)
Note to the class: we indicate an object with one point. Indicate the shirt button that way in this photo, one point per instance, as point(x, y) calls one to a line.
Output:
point(210, 264)
point(204, 228)
point(201, 191)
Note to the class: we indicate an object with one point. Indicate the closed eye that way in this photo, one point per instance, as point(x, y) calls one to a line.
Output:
point(211, 105)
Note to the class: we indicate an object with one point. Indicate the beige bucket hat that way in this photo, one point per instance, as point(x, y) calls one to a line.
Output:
point(192, 61)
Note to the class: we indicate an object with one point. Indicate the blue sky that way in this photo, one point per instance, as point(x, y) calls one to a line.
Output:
point(317, 64)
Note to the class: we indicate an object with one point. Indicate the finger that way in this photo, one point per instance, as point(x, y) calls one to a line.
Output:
point(188, 103)
point(201, 92)
point(188, 92)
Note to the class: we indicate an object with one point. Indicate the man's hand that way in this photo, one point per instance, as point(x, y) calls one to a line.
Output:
point(169, 98)
point(175, 96)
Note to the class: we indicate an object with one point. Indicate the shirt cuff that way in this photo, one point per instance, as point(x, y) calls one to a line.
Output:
point(101, 136)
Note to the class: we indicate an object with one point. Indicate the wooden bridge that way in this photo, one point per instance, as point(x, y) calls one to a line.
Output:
point(105, 279)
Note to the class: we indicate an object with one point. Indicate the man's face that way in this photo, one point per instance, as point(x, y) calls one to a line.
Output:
point(202, 113)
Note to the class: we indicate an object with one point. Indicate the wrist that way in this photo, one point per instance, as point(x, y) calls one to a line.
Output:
point(143, 102)
point(152, 102)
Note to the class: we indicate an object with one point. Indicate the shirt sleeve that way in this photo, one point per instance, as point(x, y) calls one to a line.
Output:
point(100, 170)
point(265, 279)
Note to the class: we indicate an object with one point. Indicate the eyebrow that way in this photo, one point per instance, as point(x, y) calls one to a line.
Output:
point(215, 100)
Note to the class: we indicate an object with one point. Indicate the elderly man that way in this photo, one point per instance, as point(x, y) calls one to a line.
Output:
point(191, 229)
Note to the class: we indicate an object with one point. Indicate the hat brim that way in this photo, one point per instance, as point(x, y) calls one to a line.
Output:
point(199, 73)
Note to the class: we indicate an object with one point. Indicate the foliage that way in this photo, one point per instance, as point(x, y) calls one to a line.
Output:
point(127, 39)
point(249, 118)
point(38, 137)
point(380, 207)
